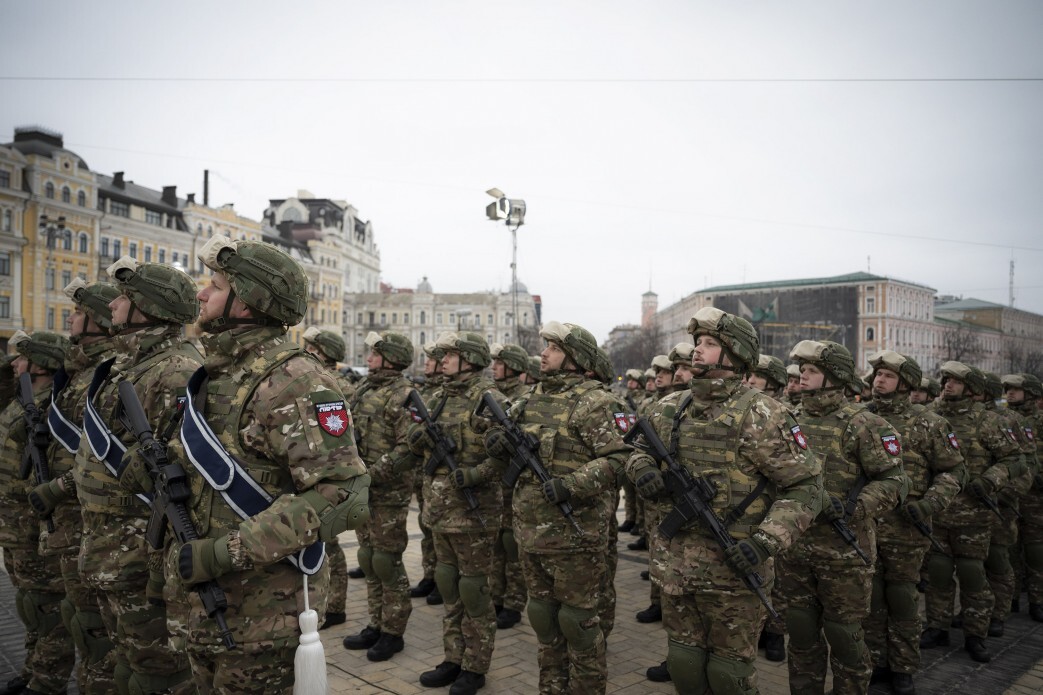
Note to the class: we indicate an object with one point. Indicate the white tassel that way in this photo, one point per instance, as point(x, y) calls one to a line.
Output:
point(309, 663)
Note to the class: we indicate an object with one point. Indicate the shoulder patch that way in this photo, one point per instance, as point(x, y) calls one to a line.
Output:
point(1028, 434)
point(799, 437)
point(623, 421)
point(1010, 434)
point(953, 441)
point(891, 444)
point(331, 413)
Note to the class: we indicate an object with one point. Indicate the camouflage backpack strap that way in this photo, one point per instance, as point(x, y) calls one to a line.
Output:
point(437, 410)
point(675, 427)
point(742, 406)
point(224, 472)
point(62, 429)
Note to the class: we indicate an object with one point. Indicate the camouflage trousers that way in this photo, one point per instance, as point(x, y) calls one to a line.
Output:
point(1030, 531)
point(893, 628)
point(49, 648)
point(569, 584)
point(607, 593)
point(779, 603)
point(143, 652)
point(508, 585)
point(653, 517)
point(82, 618)
point(427, 540)
point(338, 578)
point(469, 627)
point(965, 550)
point(382, 540)
point(259, 672)
point(629, 501)
point(828, 602)
point(998, 567)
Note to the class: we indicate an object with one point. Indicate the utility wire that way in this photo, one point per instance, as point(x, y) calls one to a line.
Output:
point(512, 80)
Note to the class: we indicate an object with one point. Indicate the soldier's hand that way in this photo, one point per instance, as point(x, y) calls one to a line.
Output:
point(403, 464)
point(135, 477)
point(746, 555)
point(465, 477)
point(202, 560)
point(646, 476)
point(1008, 496)
point(832, 508)
point(46, 496)
point(982, 487)
point(496, 443)
point(555, 491)
point(418, 439)
point(918, 510)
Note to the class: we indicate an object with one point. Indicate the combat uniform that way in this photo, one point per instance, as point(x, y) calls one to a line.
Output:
point(1030, 526)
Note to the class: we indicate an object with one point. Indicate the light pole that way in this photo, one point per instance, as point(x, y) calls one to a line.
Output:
point(52, 231)
point(512, 211)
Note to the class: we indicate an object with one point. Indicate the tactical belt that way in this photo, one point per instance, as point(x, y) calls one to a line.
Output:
point(226, 475)
point(64, 432)
point(105, 446)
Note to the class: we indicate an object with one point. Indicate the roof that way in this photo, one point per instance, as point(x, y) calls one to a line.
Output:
point(34, 140)
point(848, 279)
point(140, 195)
point(969, 303)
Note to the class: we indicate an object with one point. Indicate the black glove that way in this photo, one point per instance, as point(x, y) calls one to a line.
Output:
point(746, 555)
point(832, 508)
point(555, 491)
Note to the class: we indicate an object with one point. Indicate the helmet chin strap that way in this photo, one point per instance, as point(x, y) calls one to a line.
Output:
point(703, 369)
point(128, 325)
point(225, 321)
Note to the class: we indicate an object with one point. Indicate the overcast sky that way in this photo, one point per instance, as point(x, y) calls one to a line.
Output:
point(673, 144)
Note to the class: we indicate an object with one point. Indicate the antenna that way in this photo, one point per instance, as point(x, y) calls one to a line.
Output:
point(1012, 279)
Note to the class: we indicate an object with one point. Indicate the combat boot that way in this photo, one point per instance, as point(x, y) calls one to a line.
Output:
point(333, 619)
point(1036, 612)
point(626, 526)
point(507, 618)
point(435, 598)
point(640, 544)
point(995, 628)
point(658, 674)
point(364, 640)
point(645, 576)
point(467, 683)
point(386, 647)
point(881, 674)
point(934, 637)
point(441, 676)
point(652, 614)
point(902, 684)
point(15, 685)
point(975, 646)
point(1015, 605)
point(424, 587)
point(774, 647)
point(356, 573)
point(957, 621)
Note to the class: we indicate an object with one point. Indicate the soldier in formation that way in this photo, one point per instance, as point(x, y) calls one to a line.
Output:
point(1023, 393)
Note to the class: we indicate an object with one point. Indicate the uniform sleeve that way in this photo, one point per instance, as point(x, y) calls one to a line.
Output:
point(945, 460)
point(593, 423)
point(490, 469)
point(1004, 448)
point(772, 442)
point(871, 441)
point(398, 421)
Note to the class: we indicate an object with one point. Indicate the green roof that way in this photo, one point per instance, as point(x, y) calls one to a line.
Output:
point(848, 279)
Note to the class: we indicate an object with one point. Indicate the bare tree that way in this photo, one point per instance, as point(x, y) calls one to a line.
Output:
point(637, 352)
point(961, 343)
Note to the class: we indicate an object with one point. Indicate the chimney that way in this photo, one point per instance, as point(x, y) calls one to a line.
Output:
point(170, 195)
point(190, 198)
point(117, 180)
point(206, 187)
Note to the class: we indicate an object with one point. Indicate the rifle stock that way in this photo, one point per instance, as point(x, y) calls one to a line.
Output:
point(34, 458)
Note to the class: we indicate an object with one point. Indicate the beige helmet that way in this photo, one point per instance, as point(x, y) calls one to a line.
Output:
point(662, 362)
point(973, 379)
point(330, 344)
point(908, 371)
point(736, 335)
point(681, 355)
point(832, 358)
point(577, 342)
point(396, 348)
point(635, 374)
point(773, 370)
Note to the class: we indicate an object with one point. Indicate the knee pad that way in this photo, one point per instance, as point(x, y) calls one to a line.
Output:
point(121, 675)
point(146, 684)
point(846, 642)
point(971, 573)
point(446, 578)
point(998, 561)
point(476, 595)
point(580, 626)
point(803, 626)
point(90, 628)
point(877, 600)
point(20, 604)
point(939, 570)
point(543, 616)
point(903, 600)
point(365, 556)
point(1034, 556)
point(68, 610)
point(510, 546)
point(387, 567)
point(687, 666)
point(42, 611)
point(729, 677)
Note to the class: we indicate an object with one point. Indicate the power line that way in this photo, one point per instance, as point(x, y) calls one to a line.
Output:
point(515, 80)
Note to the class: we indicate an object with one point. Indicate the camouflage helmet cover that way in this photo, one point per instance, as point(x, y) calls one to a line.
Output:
point(1030, 383)
point(534, 368)
point(931, 386)
point(832, 358)
point(471, 346)
point(43, 348)
point(971, 377)
point(394, 347)
point(577, 342)
point(635, 374)
point(93, 299)
point(265, 278)
point(735, 334)
point(771, 368)
point(662, 363)
point(905, 367)
point(156, 289)
point(603, 367)
point(793, 370)
point(681, 355)
point(514, 356)
point(330, 344)
point(649, 373)
point(993, 385)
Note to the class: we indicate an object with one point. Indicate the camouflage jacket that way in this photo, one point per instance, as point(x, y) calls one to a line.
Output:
point(381, 422)
point(1031, 421)
point(581, 442)
point(1012, 422)
point(511, 388)
point(445, 509)
point(19, 526)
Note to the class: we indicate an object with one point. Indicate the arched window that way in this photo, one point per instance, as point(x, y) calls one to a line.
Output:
point(83, 243)
point(423, 338)
point(66, 195)
point(48, 190)
point(67, 244)
point(870, 333)
point(81, 199)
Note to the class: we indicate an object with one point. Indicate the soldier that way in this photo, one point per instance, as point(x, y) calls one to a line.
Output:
point(464, 539)
point(768, 376)
point(1022, 392)
point(433, 380)
point(932, 460)
point(155, 302)
point(382, 421)
point(635, 396)
point(56, 499)
point(769, 489)
point(297, 481)
point(827, 583)
point(928, 391)
point(663, 369)
point(39, 590)
point(510, 362)
point(792, 391)
point(329, 348)
point(581, 447)
point(532, 374)
point(993, 458)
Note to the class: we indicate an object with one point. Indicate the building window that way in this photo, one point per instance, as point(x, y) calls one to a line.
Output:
point(119, 209)
point(66, 195)
point(50, 319)
point(65, 318)
point(870, 334)
point(48, 191)
point(405, 318)
point(477, 320)
point(116, 248)
point(173, 257)
point(81, 199)
point(5, 179)
point(133, 249)
point(5, 262)
point(423, 319)
point(452, 317)
point(394, 317)
point(359, 322)
point(8, 219)
point(67, 241)
point(489, 320)
point(209, 231)
point(49, 280)
point(66, 279)
point(148, 254)
point(83, 243)
point(423, 337)
point(438, 318)
point(162, 255)
point(5, 307)
point(383, 318)
point(153, 217)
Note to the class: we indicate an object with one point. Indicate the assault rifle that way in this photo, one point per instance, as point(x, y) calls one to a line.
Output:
point(34, 458)
point(525, 447)
point(991, 504)
point(840, 525)
point(925, 531)
point(169, 502)
point(691, 496)
point(444, 448)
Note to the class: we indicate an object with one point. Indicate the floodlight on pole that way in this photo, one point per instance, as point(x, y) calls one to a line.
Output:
point(512, 212)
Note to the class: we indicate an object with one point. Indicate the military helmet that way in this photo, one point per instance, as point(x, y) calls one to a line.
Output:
point(266, 279)
point(471, 346)
point(603, 370)
point(156, 289)
point(931, 386)
point(330, 344)
point(972, 378)
point(771, 368)
point(43, 348)
point(832, 358)
point(735, 334)
point(649, 373)
point(681, 355)
point(433, 350)
point(394, 347)
point(1029, 383)
point(93, 299)
point(993, 385)
point(662, 362)
point(905, 367)
point(635, 374)
point(577, 342)
point(514, 356)
point(793, 370)
point(534, 368)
